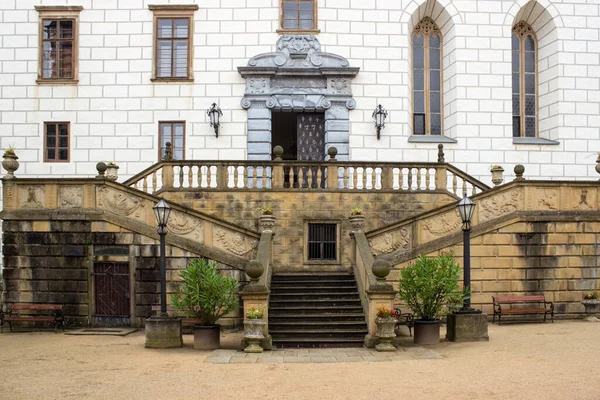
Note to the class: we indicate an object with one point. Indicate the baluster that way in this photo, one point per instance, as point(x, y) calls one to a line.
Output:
point(427, 178)
point(454, 183)
point(264, 177)
point(473, 191)
point(180, 176)
point(292, 176)
point(418, 178)
point(400, 178)
point(301, 175)
point(236, 176)
point(464, 187)
point(410, 178)
point(190, 176)
point(145, 184)
point(309, 180)
point(154, 182)
point(319, 178)
point(345, 178)
point(199, 176)
point(354, 177)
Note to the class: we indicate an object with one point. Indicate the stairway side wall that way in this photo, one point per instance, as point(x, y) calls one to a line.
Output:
point(293, 208)
point(559, 259)
point(52, 262)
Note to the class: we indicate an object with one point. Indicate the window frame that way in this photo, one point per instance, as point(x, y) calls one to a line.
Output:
point(338, 245)
point(315, 25)
point(46, 159)
point(427, 27)
point(58, 13)
point(160, 124)
point(522, 29)
point(173, 12)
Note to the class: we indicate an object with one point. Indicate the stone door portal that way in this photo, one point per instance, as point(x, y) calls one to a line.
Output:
point(111, 286)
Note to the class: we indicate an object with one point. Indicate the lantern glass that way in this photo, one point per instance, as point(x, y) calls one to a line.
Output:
point(466, 207)
point(162, 210)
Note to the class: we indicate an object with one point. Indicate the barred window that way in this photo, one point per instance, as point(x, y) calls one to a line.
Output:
point(524, 81)
point(298, 15)
point(56, 141)
point(427, 78)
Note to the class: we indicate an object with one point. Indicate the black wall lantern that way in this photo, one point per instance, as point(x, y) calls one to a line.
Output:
point(379, 115)
point(215, 114)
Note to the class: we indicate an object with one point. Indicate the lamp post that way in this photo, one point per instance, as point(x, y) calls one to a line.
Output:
point(466, 207)
point(162, 211)
point(215, 114)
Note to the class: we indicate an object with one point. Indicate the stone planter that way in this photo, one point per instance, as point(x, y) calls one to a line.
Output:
point(592, 306)
point(266, 222)
point(497, 177)
point(253, 333)
point(357, 222)
point(10, 164)
point(163, 332)
point(207, 337)
point(427, 332)
point(385, 333)
point(112, 172)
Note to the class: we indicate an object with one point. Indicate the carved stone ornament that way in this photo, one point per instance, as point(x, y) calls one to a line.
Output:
point(257, 85)
point(583, 201)
point(182, 224)
point(298, 44)
point(31, 197)
point(442, 225)
point(501, 204)
point(351, 104)
point(246, 103)
point(548, 198)
point(234, 242)
point(119, 203)
point(522, 29)
point(390, 242)
point(10, 199)
point(427, 27)
point(339, 85)
point(70, 197)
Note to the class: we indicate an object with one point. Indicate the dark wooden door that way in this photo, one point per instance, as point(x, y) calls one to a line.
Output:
point(310, 128)
point(111, 284)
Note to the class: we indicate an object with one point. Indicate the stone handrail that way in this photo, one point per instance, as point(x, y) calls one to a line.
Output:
point(227, 242)
point(417, 231)
point(295, 175)
point(362, 265)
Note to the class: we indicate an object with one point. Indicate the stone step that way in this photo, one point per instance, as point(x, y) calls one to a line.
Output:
point(311, 303)
point(312, 288)
point(312, 276)
point(275, 297)
point(326, 325)
point(318, 342)
point(316, 317)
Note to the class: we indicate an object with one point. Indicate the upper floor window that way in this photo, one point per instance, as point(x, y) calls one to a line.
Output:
point(58, 47)
point(174, 133)
point(56, 141)
point(173, 37)
point(524, 81)
point(427, 78)
point(298, 16)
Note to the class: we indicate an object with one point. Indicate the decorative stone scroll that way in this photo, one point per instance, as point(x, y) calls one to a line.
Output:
point(181, 224)
point(70, 196)
point(31, 197)
point(233, 242)
point(120, 203)
point(391, 241)
point(440, 225)
point(500, 205)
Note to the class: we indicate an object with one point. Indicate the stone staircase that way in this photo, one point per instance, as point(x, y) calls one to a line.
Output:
point(315, 309)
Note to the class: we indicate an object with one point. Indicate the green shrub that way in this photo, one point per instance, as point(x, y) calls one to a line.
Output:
point(205, 294)
point(430, 286)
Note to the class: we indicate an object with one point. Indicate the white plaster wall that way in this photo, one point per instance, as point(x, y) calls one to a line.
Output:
point(115, 109)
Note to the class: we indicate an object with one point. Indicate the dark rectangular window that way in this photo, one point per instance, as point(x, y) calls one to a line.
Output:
point(172, 47)
point(56, 141)
point(298, 15)
point(322, 241)
point(174, 133)
point(58, 41)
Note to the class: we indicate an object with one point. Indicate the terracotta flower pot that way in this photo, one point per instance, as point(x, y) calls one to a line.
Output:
point(207, 337)
point(427, 332)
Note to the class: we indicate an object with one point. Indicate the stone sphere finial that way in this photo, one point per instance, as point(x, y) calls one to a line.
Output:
point(381, 268)
point(332, 151)
point(254, 269)
point(101, 168)
point(277, 152)
point(519, 171)
point(441, 158)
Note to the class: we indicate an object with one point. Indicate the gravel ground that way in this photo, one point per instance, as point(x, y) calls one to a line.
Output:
point(521, 361)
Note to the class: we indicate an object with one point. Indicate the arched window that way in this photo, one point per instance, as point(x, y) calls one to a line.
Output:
point(427, 78)
point(524, 81)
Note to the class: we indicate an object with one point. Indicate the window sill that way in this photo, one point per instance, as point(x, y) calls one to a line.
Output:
point(298, 31)
point(57, 81)
point(430, 139)
point(176, 80)
point(534, 141)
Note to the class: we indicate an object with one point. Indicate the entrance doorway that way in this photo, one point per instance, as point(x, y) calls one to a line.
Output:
point(302, 136)
point(111, 286)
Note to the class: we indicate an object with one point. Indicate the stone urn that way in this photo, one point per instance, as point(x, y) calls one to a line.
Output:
point(357, 221)
point(385, 333)
point(253, 333)
point(112, 171)
point(10, 164)
point(497, 177)
point(266, 222)
point(592, 306)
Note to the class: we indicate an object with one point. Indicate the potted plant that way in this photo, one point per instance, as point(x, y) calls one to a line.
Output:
point(428, 287)
point(9, 162)
point(386, 322)
point(591, 302)
point(266, 219)
point(207, 296)
point(112, 171)
point(357, 219)
point(497, 172)
point(254, 326)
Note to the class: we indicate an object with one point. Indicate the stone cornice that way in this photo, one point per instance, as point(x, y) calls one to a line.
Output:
point(58, 8)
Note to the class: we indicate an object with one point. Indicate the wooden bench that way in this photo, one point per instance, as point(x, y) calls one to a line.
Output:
point(44, 313)
point(185, 321)
point(406, 319)
point(548, 306)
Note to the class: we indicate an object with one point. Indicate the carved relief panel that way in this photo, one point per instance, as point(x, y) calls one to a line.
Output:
point(120, 203)
point(439, 226)
point(541, 198)
point(501, 204)
point(32, 197)
point(579, 199)
point(70, 197)
point(233, 242)
point(186, 226)
point(390, 242)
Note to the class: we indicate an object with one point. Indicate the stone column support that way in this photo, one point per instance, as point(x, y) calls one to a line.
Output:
point(255, 295)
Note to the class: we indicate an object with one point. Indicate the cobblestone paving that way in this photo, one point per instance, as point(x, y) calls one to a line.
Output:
point(341, 355)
